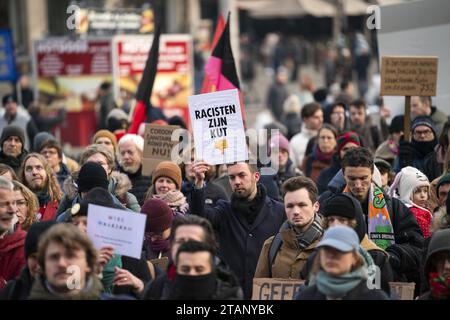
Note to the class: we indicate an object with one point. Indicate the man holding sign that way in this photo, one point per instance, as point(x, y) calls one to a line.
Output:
point(244, 223)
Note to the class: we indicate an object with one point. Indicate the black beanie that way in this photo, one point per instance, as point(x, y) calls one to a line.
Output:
point(98, 196)
point(12, 131)
point(91, 175)
point(396, 125)
point(34, 233)
point(339, 205)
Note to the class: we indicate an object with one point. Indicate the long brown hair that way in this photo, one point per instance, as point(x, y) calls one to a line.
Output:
point(32, 204)
point(51, 185)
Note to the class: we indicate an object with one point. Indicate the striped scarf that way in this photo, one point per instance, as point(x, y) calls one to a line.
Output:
point(380, 228)
point(314, 232)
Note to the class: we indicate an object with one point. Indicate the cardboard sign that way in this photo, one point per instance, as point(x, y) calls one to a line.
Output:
point(158, 146)
point(408, 76)
point(161, 263)
point(218, 128)
point(121, 229)
point(275, 289)
point(404, 290)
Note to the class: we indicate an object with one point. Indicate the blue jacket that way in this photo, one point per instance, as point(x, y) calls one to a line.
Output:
point(240, 243)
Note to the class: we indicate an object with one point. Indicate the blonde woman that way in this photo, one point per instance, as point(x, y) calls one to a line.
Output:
point(27, 205)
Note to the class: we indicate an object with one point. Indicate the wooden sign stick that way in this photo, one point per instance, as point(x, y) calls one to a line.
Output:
point(407, 119)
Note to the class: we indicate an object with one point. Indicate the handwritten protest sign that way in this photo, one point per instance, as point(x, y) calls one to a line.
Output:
point(408, 76)
point(157, 146)
point(120, 229)
point(275, 289)
point(218, 128)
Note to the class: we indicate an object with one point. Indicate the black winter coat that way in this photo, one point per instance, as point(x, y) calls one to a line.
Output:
point(213, 193)
point(240, 243)
point(406, 253)
point(140, 184)
point(360, 292)
point(14, 163)
point(328, 174)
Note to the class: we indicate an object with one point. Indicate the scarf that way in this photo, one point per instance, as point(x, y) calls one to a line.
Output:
point(440, 287)
point(380, 228)
point(176, 200)
point(43, 198)
point(393, 146)
point(371, 267)
point(323, 157)
point(109, 272)
point(314, 232)
point(337, 287)
point(160, 245)
point(249, 209)
point(194, 287)
point(41, 290)
point(423, 148)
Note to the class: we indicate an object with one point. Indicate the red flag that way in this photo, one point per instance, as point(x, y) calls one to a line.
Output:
point(143, 107)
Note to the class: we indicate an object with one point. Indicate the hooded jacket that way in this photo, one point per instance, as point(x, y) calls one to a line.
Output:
point(12, 256)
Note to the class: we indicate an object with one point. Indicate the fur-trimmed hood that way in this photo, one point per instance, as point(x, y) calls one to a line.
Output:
point(119, 184)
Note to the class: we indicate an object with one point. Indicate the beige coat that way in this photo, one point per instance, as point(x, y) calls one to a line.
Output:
point(289, 260)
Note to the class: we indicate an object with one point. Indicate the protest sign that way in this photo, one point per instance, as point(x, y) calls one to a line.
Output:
point(158, 146)
point(275, 289)
point(218, 127)
point(404, 290)
point(120, 229)
point(408, 76)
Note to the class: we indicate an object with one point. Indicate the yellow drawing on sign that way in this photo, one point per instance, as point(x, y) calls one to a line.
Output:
point(221, 145)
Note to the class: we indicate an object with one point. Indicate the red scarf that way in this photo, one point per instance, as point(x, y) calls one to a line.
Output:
point(323, 157)
point(440, 287)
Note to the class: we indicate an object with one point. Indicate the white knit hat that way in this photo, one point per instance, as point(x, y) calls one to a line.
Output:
point(406, 181)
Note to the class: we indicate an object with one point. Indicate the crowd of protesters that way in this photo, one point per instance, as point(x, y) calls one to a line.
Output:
point(351, 207)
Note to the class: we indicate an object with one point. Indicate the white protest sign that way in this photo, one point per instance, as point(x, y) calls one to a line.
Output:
point(120, 229)
point(218, 128)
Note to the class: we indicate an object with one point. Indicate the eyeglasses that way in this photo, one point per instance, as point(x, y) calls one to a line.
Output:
point(49, 152)
point(426, 133)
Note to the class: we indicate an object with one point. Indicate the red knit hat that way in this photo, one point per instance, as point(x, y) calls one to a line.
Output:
point(159, 215)
point(347, 137)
